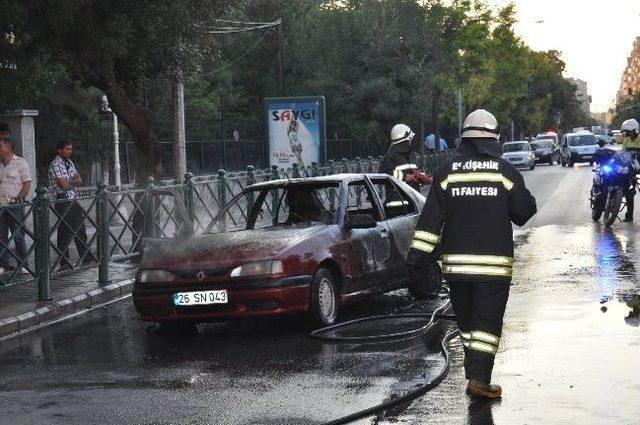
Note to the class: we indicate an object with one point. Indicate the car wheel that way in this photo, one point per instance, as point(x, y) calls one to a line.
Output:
point(323, 307)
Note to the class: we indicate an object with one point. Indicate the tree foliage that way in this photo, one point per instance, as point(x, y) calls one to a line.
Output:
point(377, 62)
point(118, 47)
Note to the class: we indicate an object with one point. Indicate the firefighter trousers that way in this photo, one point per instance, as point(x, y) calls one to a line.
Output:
point(479, 309)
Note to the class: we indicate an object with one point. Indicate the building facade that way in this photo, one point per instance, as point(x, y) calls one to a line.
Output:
point(582, 94)
point(630, 83)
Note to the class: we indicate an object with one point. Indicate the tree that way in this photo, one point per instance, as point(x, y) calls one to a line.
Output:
point(629, 107)
point(118, 47)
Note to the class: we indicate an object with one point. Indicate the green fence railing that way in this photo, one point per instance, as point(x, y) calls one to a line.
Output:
point(67, 235)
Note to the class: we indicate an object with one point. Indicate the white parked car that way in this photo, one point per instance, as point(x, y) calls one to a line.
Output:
point(519, 154)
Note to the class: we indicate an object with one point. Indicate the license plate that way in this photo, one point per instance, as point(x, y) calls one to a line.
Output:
point(201, 297)
point(515, 159)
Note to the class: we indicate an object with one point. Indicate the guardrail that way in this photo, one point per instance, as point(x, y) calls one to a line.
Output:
point(106, 224)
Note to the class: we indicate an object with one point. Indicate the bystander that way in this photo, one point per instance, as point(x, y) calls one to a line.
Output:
point(430, 143)
point(15, 182)
point(63, 179)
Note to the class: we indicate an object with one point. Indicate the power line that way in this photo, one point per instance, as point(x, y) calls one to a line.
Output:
point(226, 21)
point(239, 58)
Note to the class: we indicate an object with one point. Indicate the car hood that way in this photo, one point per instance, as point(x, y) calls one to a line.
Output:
point(227, 249)
point(519, 154)
point(585, 148)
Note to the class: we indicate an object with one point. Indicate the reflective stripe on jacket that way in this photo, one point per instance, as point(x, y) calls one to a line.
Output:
point(468, 215)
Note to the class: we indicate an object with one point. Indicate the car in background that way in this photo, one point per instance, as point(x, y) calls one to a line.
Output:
point(602, 133)
point(288, 246)
point(519, 154)
point(616, 136)
point(578, 147)
point(546, 148)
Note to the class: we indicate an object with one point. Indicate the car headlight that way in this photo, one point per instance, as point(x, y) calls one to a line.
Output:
point(265, 267)
point(155, 275)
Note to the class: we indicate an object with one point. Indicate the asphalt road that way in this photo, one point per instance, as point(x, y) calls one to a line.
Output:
point(567, 355)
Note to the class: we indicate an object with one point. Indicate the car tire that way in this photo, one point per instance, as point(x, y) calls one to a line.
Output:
point(323, 302)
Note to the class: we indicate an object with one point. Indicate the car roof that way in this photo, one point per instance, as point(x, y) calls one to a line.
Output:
point(333, 178)
point(581, 133)
point(515, 142)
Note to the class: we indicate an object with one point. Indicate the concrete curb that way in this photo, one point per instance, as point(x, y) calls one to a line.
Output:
point(59, 309)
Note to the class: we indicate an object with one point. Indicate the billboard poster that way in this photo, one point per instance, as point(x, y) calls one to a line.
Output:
point(295, 130)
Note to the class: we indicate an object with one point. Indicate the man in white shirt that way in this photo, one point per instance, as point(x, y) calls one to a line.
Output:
point(15, 182)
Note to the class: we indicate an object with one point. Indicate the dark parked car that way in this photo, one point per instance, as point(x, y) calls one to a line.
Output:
point(300, 245)
point(546, 151)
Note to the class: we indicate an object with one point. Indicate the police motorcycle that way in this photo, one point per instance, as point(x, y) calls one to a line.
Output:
point(613, 178)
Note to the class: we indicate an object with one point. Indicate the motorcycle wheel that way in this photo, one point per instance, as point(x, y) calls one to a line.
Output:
point(597, 206)
point(612, 206)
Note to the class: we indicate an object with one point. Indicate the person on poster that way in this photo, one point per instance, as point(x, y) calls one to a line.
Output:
point(296, 146)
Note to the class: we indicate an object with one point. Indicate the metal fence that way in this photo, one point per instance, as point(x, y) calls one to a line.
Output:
point(63, 235)
point(230, 144)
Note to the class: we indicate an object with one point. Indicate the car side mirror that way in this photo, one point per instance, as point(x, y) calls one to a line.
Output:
point(359, 221)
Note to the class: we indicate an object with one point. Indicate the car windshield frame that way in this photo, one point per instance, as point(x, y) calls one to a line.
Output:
point(263, 194)
point(581, 138)
point(516, 147)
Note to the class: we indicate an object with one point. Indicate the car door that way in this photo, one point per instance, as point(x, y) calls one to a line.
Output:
point(368, 249)
point(400, 215)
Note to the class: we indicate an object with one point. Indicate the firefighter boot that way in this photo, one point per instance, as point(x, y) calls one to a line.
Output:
point(482, 389)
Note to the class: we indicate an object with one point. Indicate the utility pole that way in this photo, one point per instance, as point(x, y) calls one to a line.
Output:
point(179, 136)
point(116, 152)
point(434, 114)
point(459, 108)
point(280, 57)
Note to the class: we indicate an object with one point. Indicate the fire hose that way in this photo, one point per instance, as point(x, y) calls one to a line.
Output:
point(437, 314)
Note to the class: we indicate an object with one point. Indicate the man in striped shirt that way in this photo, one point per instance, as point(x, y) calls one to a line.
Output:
point(15, 182)
point(63, 180)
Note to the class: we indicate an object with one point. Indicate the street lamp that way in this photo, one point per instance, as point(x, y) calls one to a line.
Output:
point(461, 53)
point(104, 107)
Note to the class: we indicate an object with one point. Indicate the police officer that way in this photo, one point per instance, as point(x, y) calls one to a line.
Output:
point(630, 142)
point(468, 214)
point(400, 160)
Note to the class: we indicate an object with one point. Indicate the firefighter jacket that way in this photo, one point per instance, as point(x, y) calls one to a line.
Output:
point(473, 201)
point(399, 161)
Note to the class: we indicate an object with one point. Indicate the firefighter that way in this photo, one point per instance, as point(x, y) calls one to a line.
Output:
point(400, 160)
point(467, 217)
point(630, 142)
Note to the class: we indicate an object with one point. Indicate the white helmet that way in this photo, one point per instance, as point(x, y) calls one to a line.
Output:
point(630, 125)
point(481, 123)
point(401, 133)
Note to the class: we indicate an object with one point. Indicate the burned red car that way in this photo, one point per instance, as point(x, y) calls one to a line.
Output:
point(289, 246)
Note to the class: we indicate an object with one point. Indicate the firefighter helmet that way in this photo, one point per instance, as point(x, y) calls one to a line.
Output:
point(401, 133)
point(630, 126)
point(481, 123)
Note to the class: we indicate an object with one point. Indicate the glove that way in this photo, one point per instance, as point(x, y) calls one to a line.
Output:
point(425, 280)
point(423, 178)
point(410, 179)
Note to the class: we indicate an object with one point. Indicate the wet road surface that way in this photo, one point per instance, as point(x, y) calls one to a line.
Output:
point(569, 353)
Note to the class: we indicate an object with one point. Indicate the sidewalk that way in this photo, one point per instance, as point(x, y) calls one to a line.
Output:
point(20, 309)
